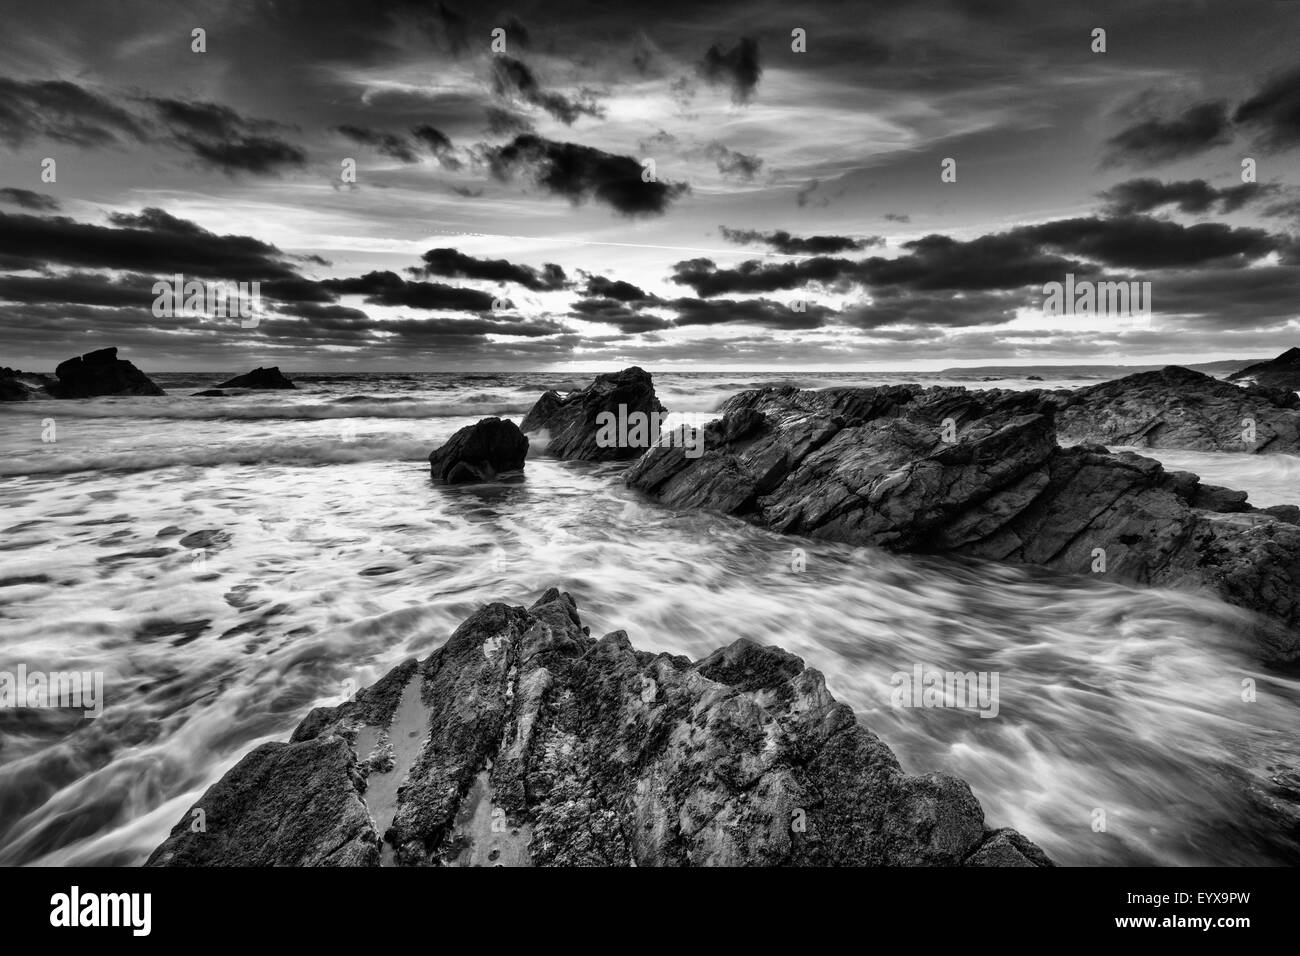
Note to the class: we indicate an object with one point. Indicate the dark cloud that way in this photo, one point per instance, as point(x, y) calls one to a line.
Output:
point(601, 287)
point(517, 34)
point(803, 196)
point(511, 77)
point(1191, 196)
point(737, 68)
point(580, 173)
point(151, 241)
point(438, 143)
point(388, 144)
point(388, 288)
point(451, 263)
point(781, 241)
point(222, 139)
point(503, 122)
point(1274, 111)
point(26, 199)
point(64, 112)
point(764, 312)
point(897, 217)
point(618, 314)
point(1152, 141)
point(82, 288)
point(454, 28)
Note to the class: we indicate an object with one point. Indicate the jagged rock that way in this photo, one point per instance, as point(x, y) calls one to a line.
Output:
point(480, 452)
point(1179, 408)
point(871, 466)
point(538, 745)
point(12, 386)
point(101, 373)
point(1282, 372)
point(259, 378)
point(571, 425)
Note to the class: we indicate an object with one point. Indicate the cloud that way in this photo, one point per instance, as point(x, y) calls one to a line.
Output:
point(764, 312)
point(609, 311)
point(511, 77)
point(737, 68)
point(1274, 111)
point(222, 139)
point(1152, 141)
point(26, 199)
point(451, 263)
point(731, 162)
point(388, 288)
point(65, 112)
point(388, 144)
point(781, 241)
point(581, 173)
point(1191, 196)
point(897, 217)
point(599, 286)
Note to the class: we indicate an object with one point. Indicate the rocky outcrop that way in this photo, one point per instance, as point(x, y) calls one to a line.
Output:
point(208, 393)
point(480, 452)
point(259, 378)
point(1179, 408)
point(981, 474)
point(19, 386)
point(101, 373)
point(571, 424)
point(524, 741)
point(1282, 372)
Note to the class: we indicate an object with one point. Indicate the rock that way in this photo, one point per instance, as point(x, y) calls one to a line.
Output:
point(571, 422)
point(1287, 513)
point(101, 373)
point(259, 378)
point(1179, 408)
point(1282, 372)
point(524, 741)
point(871, 466)
point(12, 388)
point(208, 393)
point(1033, 378)
point(480, 452)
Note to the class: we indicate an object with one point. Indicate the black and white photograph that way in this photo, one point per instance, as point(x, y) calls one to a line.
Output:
point(580, 434)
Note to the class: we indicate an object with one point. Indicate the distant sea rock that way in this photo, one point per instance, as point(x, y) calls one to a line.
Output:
point(980, 474)
point(570, 422)
point(1281, 372)
point(524, 741)
point(480, 452)
point(19, 386)
point(101, 373)
point(209, 393)
point(259, 378)
point(1179, 408)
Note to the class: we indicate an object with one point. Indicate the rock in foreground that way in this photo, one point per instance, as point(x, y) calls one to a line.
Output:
point(571, 422)
point(980, 474)
point(480, 452)
point(101, 373)
point(1282, 372)
point(259, 378)
point(1179, 408)
point(524, 741)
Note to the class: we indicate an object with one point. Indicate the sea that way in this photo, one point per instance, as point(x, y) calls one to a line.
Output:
point(228, 563)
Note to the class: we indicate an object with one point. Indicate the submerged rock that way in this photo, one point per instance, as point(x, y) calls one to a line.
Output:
point(259, 378)
point(572, 422)
point(1179, 408)
point(1282, 372)
point(101, 373)
point(480, 452)
point(980, 474)
point(524, 741)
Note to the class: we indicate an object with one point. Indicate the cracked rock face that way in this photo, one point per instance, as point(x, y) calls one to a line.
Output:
point(571, 422)
point(531, 743)
point(1179, 408)
point(980, 474)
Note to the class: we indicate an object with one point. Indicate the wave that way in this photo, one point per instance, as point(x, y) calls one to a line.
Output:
point(330, 452)
point(349, 407)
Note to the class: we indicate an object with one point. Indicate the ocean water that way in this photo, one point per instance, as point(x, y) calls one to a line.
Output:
point(329, 557)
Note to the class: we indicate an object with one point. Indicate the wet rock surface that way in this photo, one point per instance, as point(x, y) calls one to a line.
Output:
point(101, 373)
point(480, 452)
point(571, 422)
point(1282, 372)
point(981, 474)
point(527, 742)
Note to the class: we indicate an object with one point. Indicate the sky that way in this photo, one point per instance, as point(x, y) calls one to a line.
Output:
point(754, 185)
